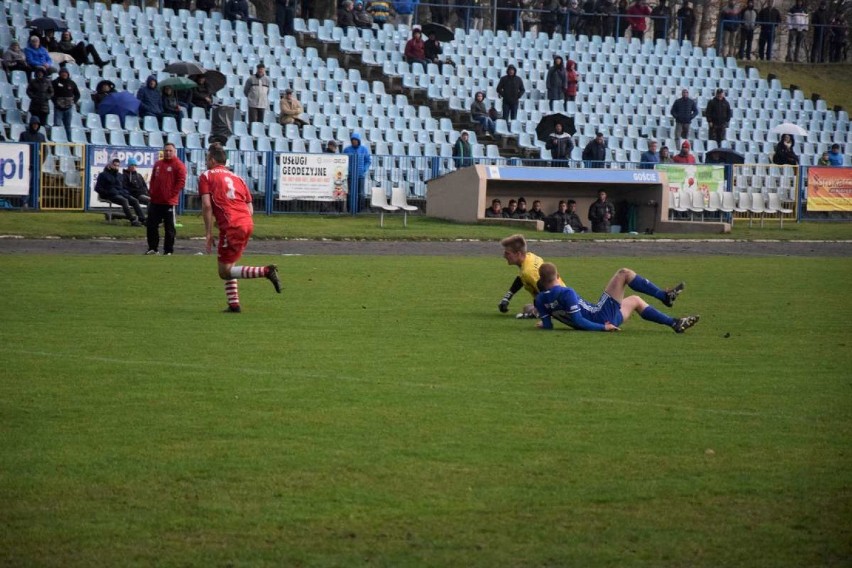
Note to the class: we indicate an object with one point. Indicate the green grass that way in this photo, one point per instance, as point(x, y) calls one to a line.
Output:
point(830, 81)
point(80, 225)
point(382, 412)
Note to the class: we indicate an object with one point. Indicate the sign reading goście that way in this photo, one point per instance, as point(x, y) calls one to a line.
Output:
point(318, 177)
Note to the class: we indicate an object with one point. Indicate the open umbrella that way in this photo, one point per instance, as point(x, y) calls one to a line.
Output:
point(215, 80)
point(723, 156)
point(789, 128)
point(48, 25)
point(177, 83)
point(122, 103)
point(547, 125)
point(60, 58)
point(442, 33)
point(184, 68)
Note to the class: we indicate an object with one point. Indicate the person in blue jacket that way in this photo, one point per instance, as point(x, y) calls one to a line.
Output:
point(359, 164)
point(151, 101)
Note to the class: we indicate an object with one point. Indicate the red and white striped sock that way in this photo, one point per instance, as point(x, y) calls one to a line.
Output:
point(248, 271)
point(232, 293)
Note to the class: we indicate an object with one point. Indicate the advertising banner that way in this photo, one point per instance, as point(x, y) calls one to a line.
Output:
point(700, 178)
point(313, 177)
point(829, 189)
point(102, 155)
point(15, 172)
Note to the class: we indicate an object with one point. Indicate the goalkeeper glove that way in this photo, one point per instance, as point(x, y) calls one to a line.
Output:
point(504, 303)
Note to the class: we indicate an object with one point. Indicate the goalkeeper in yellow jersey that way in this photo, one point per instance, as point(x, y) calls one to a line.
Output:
point(516, 254)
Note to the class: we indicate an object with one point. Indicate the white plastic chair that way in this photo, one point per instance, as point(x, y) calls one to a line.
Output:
point(398, 200)
point(379, 200)
point(674, 204)
point(758, 207)
point(774, 207)
point(696, 204)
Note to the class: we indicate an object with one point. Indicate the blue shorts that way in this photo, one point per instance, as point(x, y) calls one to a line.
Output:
point(606, 310)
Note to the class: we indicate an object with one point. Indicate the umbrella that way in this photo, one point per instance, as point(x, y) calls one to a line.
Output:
point(789, 128)
point(121, 103)
point(60, 58)
point(215, 80)
point(184, 68)
point(48, 24)
point(723, 156)
point(177, 83)
point(547, 125)
point(442, 33)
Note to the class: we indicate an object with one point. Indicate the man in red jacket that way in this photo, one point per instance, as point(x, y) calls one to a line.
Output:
point(167, 181)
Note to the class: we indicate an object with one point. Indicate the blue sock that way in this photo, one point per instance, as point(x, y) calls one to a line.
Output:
point(653, 314)
point(645, 286)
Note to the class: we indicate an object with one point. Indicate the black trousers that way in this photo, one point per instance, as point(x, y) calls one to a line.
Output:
point(126, 202)
point(159, 213)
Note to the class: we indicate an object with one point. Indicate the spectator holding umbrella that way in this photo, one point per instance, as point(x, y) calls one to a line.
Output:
point(560, 145)
point(784, 154)
point(171, 106)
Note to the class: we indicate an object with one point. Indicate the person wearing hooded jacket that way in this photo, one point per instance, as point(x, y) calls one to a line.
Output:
point(110, 188)
point(510, 89)
point(556, 81)
point(359, 164)
point(40, 91)
point(150, 99)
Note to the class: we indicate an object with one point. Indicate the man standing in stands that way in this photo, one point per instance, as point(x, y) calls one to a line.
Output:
point(769, 17)
point(683, 111)
point(601, 213)
point(686, 17)
point(510, 88)
point(660, 14)
point(820, 22)
point(718, 115)
point(560, 145)
point(225, 197)
point(65, 97)
point(594, 154)
point(236, 10)
point(359, 164)
point(256, 90)
point(797, 26)
point(167, 180)
point(638, 13)
point(748, 17)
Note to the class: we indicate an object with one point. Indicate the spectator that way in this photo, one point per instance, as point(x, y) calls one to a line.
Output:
point(748, 19)
point(686, 19)
point(291, 109)
point(684, 156)
point(684, 110)
point(824, 159)
point(202, 94)
point(37, 57)
point(134, 184)
point(103, 90)
point(476, 12)
point(80, 51)
point(573, 220)
point(797, 26)
point(572, 80)
point(256, 90)
point(638, 13)
point(522, 212)
point(511, 210)
point(462, 153)
point(650, 158)
point(285, 13)
point(40, 92)
point(415, 49)
point(331, 147)
point(560, 145)
point(530, 16)
point(109, 188)
point(556, 221)
point(32, 134)
point(307, 10)
point(359, 164)
point(837, 42)
point(171, 107)
point(404, 11)
point(589, 24)
point(605, 10)
point(594, 154)
point(660, 14)
point(496, 209)
point(510, 88)
point(718, 115)
point(665, 156)
point(438, 11)
point(151, 102)
point(835, 157)
point(784, 154)
point(236, 10)
point(167, 180)
point(601, 213)
point(345, 16)
point(769, 18)
point(536, 213)
point(820, 22)
point(362, 18)
point(480, 114)
point(380, 11)
point(556, 82)
point(65, 96)
point(621, 22)
point(14, 59)
point(729, 23)
point(432, 50)
point(570, 17)
point(205, 5)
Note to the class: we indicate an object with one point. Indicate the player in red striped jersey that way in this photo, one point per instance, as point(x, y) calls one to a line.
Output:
point(225, 198)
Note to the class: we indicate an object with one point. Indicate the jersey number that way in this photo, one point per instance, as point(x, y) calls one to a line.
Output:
point(232, 191)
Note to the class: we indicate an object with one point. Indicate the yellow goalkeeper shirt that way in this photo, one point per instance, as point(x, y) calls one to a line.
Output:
point(529, 273)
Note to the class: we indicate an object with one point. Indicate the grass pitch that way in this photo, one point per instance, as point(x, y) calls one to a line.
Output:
point(382, 412)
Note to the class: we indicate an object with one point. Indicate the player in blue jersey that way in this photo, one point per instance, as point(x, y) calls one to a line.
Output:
point(565, 305)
